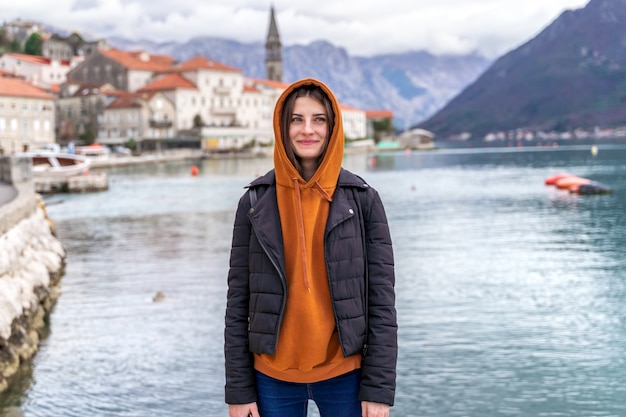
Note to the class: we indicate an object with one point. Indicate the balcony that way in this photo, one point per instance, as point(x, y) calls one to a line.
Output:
point(224, 111)
point(160, 123)
point(221, 90)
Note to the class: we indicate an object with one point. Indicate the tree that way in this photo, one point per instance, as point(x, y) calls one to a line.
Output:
point(4, 40)
point(382, 128)
point(197, 121)
point(33, 45)
point(14, 46)
point(88, 137)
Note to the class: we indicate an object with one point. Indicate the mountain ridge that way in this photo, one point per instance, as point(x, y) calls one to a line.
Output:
point(413, 84)
point(571, 75)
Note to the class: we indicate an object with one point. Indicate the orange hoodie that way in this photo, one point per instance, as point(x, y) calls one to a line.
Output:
point(308, 347)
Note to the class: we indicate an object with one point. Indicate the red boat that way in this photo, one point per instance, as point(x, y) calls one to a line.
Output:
point(554, 178)
point(567, 182)
point(577, 185)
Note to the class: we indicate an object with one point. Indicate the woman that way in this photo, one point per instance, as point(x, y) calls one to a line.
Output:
point(311, 307)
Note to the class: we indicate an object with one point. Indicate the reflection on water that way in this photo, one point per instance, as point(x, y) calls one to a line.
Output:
point(511, 295)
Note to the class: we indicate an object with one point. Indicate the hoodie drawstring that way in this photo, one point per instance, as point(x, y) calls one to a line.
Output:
point(300, 220)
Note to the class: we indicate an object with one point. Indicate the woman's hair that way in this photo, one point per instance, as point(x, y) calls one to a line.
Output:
point(318, 94)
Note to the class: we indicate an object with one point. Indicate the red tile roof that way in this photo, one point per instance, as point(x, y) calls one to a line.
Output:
point(250, 89)
point(139, 61)
point(156, 58)
point(40, 60)
point(9, 74)
point(349, 108)
point(379, 114)
point(125, 101)
point(200, 62)
point(11, 87)
point(169, 82)
point(130, 100)
point(55, 88)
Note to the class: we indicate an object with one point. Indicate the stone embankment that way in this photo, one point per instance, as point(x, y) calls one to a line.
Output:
point(32, 260)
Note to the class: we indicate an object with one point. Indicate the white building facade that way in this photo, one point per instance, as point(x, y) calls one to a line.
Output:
point(26, 116)
point(38, 70)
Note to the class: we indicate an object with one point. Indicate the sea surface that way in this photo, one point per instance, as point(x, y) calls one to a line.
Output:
point(511, 295)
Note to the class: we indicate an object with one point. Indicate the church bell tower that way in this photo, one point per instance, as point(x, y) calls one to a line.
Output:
point(273, 51)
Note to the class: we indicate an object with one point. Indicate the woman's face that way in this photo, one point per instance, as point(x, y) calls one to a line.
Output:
point(308, 128)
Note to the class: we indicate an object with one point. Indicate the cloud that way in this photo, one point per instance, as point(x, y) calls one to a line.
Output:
point(365, 27)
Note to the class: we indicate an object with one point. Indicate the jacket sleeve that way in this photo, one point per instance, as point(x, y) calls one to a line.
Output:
point(378, 380)
point(240, 379)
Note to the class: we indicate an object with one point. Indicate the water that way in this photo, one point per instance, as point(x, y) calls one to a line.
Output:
point(511, 294)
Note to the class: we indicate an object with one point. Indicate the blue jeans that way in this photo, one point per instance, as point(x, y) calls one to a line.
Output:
point(335, 397)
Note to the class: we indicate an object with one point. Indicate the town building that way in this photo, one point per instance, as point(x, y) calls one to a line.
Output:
point(380, 125)
point(133, 116)
point(128, 71)
point(41, 71)
point(417, 139)
point(67, 48)
point(354, 122)
point(79, 108)
point(26, 116)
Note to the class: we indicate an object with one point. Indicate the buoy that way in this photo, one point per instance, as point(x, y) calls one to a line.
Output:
point(194, 170)
point(594, 150)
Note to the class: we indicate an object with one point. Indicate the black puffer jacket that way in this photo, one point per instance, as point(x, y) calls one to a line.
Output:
point(257, 286)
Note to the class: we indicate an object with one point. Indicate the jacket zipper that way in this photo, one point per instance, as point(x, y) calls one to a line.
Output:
point(283, 281)
point(330, 285)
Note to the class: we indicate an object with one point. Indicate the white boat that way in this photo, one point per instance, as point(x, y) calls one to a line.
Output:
point(58, 165)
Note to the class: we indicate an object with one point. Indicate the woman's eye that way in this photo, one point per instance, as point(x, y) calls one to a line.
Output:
point(296, 119)
point(320, 120)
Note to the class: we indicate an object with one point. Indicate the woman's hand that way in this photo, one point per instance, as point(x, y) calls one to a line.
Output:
point(369, 409)
point(243, 410)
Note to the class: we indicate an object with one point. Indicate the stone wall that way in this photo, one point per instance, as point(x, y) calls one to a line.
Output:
point(31, 265)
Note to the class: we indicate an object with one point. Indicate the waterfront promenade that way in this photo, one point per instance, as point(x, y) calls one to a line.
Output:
point(7, 193)
point(31, 266)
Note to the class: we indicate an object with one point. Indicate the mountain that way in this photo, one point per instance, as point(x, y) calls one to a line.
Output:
point(414, 84)
point(571, 75)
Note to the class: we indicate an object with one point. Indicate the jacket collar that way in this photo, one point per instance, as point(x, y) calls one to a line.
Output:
point(346, 179)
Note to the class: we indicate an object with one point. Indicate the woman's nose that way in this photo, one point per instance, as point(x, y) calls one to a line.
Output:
point(308, 125)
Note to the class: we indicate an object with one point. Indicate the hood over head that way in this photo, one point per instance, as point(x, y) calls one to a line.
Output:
point(330, 165)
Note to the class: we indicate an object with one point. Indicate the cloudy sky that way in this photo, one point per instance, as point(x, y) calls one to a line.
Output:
point(363, 27)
